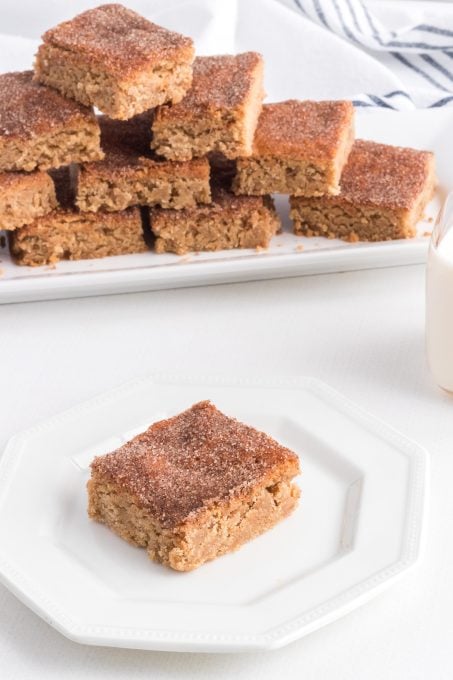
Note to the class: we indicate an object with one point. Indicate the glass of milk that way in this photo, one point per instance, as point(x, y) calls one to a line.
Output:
point(439, 298)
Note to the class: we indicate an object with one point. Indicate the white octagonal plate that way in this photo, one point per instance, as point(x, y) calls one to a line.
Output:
point(358, 526)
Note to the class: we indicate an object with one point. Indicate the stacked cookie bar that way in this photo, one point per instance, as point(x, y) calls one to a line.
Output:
point(384, 192)
point(217, 119)
point(183, 154)
point(100, 172)
point(39, 130)
point(338, 187)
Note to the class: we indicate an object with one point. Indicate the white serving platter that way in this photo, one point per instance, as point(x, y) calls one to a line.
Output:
point(288, 255)
point(357, 529)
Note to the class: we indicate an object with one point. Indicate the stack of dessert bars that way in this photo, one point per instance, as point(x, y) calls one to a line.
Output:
point(183, 155)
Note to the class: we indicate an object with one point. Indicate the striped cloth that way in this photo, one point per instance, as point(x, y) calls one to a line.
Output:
point(419, 52)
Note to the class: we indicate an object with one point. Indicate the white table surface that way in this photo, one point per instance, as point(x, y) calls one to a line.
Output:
point(362, 332)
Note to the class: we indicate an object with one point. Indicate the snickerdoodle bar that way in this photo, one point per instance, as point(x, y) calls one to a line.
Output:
point(24, 196)
point(193, 487)
point(131, 174)
point(41, 129)
point(67, 234)
point(384, 192)
point(114, 59)
point(300, 148)
point(229, 221)
point(219, 113)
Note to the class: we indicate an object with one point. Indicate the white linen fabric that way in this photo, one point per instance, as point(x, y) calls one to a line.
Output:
point(419, 50)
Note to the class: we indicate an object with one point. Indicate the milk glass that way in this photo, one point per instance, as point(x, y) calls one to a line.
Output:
point(439, 298)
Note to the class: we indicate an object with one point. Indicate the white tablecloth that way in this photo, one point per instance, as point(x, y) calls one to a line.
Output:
point(362, 333)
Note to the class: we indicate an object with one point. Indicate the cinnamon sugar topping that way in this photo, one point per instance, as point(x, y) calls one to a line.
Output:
point(28, 109)
point(383, 175)
point(180, 465)
point(222, 81)
point(302, 129)
point(118, 39)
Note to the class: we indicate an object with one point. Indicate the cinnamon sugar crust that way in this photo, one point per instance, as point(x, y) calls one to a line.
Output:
point(27, 108)
point(41, 129)
point(183, 465)
point(119, 39)
point(384, 175)
point(219, 82)
point(302, 129)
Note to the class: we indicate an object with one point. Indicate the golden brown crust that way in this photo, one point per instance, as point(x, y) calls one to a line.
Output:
point(386, 176)
point(219, 82)
point(180, 466)
point(303, 129)
point(119, 40)
point(28, 109)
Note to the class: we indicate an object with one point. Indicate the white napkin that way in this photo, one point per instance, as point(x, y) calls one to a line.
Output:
point(414, 40)
point(304, 58)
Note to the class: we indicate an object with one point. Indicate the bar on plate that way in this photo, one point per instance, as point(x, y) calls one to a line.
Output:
point(384, 192)
point(131, 174)
point(112, 58)
point(68, 234)
point(300, 148)
point(219, 113)
point(229, 221)
point(193, 487)
point(25, 196)
point(40, 129)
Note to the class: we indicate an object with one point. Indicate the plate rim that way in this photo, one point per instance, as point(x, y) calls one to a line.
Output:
point(412, 544)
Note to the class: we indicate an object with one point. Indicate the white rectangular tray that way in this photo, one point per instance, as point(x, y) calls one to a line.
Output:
point(288, 255)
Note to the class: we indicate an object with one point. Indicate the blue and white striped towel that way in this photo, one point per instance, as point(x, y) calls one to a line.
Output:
point(419, 50)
